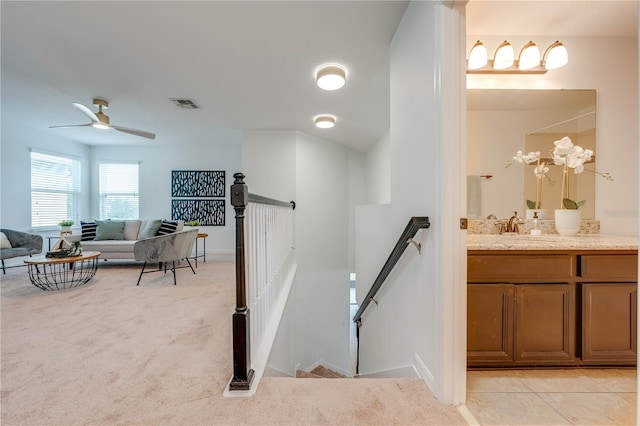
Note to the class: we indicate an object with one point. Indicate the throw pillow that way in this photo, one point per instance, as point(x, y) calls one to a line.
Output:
point(151, 230)
point(88, 231)
point(109, 230)
point(167, 227)
point(4, 241)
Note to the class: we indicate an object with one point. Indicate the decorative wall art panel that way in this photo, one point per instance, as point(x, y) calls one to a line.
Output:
point(196, 183)
point(208, 212)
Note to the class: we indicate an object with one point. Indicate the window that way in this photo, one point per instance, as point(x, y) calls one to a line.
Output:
point(119, 191)
point(55, 189)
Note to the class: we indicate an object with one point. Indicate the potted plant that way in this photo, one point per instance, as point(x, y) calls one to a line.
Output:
point(570, 156)
point(65, 226)
point(192, 223)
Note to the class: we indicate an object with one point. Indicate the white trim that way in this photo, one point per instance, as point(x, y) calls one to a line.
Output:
point(424, 372)
point(471, 420)
point(408, 372)
point(259, 363)
point(450, 69)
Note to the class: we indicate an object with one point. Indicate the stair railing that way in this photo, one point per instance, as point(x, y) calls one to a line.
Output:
point(264, 257)
point(415, 224)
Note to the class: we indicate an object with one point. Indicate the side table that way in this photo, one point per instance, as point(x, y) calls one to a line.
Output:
point(203, 237)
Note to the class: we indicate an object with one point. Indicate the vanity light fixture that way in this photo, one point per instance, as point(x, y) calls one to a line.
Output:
point(331, 76)
point(504, 56)
point(325, 121)
point(529, 60)
point(478, 56)
point(555, 56)
point(529, 56)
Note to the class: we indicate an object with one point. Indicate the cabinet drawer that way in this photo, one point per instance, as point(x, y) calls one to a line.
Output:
point(519, 268)
point(609, 266)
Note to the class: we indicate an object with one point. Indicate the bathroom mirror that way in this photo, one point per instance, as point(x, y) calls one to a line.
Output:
point(501, 122)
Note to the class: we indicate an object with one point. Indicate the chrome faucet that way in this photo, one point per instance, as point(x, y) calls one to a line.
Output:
point(513, 225)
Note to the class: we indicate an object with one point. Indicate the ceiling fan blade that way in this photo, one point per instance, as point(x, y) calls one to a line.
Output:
point(136, 132)
point(92, 115)
point(70, 125)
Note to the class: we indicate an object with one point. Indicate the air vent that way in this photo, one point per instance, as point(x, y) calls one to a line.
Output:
point(185, 103)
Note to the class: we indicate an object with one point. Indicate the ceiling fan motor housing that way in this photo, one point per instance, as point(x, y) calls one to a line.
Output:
point(101, 103)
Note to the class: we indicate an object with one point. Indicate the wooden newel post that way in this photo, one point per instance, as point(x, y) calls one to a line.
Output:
point(242, 372)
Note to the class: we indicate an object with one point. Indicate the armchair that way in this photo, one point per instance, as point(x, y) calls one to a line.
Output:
point(22, 244)
point(163, 249)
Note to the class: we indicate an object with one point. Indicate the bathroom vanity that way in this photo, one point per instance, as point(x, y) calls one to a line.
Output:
point(551, 301)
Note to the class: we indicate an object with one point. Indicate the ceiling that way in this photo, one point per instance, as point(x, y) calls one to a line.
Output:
point(247, 65)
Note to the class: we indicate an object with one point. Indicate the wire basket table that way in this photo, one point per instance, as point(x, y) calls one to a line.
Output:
point(61, 273)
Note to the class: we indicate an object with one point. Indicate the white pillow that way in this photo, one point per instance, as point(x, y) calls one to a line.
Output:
point(4, 241)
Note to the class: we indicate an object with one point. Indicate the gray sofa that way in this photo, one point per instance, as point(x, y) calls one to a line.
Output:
point(22, 244)
point(134, 230)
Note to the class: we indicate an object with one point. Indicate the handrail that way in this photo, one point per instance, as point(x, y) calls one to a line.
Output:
point(253, 198)
point(415, 223)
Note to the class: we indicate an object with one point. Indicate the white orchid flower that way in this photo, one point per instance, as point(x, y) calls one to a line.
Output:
point(540, 170)
point(564, 146)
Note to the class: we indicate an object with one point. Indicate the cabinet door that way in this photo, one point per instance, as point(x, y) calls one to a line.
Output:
point(609, 323)
point(545, 324)
point(489, 324)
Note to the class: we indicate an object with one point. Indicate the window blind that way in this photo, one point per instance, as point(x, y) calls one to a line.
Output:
point(119, 190)
point(55, 189)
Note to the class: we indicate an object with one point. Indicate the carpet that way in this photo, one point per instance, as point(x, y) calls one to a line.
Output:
point(111, 353)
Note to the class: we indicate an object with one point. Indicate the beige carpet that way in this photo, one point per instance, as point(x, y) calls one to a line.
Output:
point(112, 353)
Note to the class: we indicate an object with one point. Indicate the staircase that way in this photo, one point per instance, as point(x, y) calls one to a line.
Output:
point(319, 372)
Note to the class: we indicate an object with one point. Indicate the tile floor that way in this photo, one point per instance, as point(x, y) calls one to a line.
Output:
point(553, 397)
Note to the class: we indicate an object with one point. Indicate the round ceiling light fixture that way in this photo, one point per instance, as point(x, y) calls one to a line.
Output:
point(331, 76)
point(325, 121)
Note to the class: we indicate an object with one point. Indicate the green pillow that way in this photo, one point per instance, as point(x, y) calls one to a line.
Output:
point(109, 230)
point(151, 228)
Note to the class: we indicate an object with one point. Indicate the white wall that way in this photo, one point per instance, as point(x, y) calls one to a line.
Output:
point(16, 171)
point(327, 181)
point(590, 67)
point(414, 323)
point(378, 173)
point(269, 163)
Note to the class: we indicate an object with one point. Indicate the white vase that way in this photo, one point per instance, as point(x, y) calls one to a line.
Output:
point(542, 213)
point(567, 222)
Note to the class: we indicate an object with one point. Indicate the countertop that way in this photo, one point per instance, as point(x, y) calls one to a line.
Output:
point(550, 242)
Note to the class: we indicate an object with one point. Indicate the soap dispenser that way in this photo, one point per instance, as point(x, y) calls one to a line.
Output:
point(536, 229)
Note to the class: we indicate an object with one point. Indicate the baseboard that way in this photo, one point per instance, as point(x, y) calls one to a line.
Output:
point(408, 372)
point(424, 372)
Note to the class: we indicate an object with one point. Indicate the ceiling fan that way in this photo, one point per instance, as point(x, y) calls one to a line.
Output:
point(100, 120)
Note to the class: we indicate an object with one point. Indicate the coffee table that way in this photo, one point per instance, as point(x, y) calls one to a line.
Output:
point(49, 273)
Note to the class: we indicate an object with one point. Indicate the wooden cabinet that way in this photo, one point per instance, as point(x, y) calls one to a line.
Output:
point(545, 324)
point(528, 308)
point(609, 331)
point(609, 309)
point(490, 323)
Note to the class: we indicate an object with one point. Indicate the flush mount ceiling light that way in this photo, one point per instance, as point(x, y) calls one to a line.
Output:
point(325, 121)
point(331, 76)
point(529, 60)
